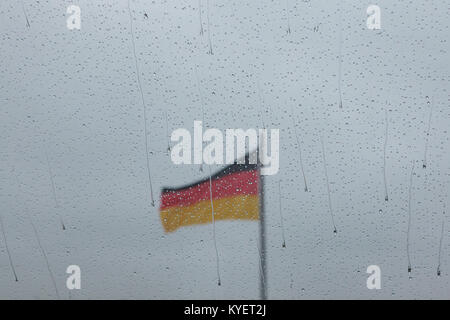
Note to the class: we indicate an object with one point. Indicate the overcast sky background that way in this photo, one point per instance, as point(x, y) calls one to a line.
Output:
point(74, 95)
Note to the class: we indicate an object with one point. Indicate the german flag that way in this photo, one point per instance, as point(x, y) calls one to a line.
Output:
point(232, 193)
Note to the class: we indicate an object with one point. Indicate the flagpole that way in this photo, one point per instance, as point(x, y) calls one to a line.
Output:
point(262, 226)
point(262, 239)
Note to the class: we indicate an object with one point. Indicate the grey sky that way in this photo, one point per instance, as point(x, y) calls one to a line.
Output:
point(74, 95)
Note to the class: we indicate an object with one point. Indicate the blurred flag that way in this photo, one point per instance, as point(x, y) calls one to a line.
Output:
point(234, 193)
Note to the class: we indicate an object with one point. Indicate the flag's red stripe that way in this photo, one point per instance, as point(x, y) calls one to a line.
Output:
point(238, 183)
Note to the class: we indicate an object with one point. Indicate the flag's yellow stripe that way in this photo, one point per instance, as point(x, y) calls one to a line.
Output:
point(245, 207)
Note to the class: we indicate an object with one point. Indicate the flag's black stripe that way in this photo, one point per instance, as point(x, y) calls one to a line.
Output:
point(225, 171)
